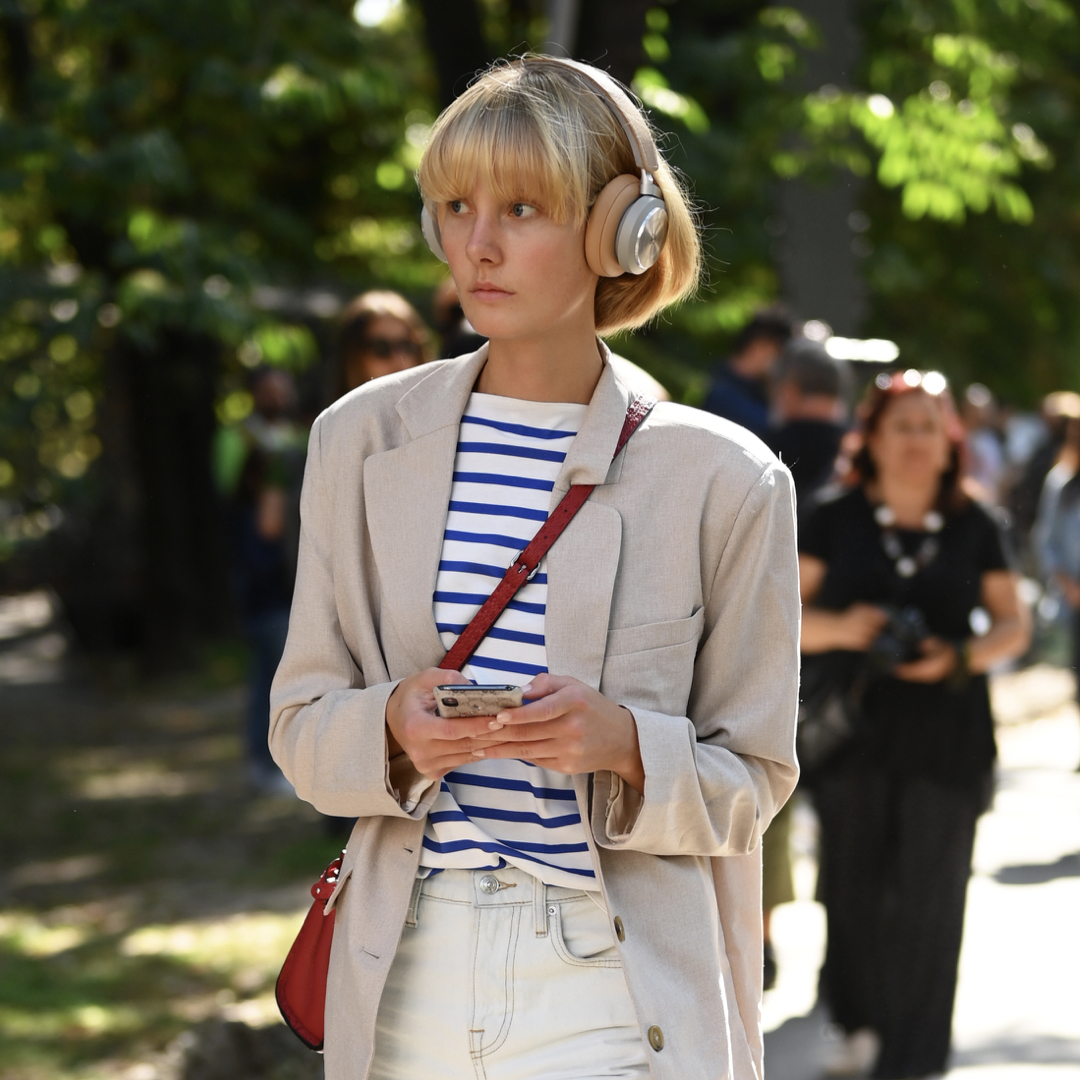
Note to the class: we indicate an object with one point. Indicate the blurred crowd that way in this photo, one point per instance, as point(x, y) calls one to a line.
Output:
point(927, 529)
point(922, 519)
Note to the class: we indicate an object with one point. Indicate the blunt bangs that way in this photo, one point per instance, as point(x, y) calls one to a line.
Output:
point(525, 142)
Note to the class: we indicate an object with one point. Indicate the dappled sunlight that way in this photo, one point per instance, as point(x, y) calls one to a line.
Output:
point(248, 948)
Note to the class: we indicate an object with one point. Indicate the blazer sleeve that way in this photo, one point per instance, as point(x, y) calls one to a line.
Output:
point(327, 726)
point(714, 779)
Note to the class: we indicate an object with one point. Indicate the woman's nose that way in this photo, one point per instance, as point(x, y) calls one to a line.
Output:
point(483, 245)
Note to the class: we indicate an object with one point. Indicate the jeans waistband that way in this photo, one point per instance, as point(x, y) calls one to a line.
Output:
point(496, 888)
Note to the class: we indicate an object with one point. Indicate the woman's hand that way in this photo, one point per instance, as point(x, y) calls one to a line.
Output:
point(570, 728)
point(938, 661)
point(435, 744)
point(857, 627)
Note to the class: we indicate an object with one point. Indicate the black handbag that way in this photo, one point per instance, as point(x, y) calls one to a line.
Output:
point(830, 707)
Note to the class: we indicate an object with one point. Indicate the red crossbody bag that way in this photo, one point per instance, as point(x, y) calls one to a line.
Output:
point(301, 986)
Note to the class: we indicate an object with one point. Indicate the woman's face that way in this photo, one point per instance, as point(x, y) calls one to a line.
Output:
point(519, 273)
point(911, 443)
point(388, 346)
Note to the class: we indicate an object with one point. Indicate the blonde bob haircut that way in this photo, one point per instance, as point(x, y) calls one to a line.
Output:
point(541, 133)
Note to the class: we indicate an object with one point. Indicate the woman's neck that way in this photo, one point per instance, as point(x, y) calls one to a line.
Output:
point(543, 370)
point(909, 500)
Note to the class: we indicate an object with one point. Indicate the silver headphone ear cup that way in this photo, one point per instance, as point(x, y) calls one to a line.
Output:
point(430, 228)
point(605, 218)
point(642, 234)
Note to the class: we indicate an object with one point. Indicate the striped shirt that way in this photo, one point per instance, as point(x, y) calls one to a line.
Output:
point(489, 813)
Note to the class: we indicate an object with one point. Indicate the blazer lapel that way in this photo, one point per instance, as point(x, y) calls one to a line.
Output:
point(584, 561)
point(407, 494)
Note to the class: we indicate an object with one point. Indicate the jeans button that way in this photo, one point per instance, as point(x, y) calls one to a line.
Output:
point(489, 884)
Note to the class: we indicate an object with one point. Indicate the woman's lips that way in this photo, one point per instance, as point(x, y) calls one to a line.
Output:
point(485, 291)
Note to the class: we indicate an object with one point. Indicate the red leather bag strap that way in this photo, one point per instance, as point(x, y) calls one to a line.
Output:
point(524, 567)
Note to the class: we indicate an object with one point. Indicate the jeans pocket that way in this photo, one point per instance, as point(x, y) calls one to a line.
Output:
point(582, 935)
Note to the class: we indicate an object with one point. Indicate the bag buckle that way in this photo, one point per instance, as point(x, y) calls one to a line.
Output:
point(517, 564)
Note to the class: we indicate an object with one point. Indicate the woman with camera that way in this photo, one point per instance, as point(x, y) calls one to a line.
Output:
point(896, 570)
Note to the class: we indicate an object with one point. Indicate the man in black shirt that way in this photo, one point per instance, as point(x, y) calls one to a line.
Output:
point(809, 405)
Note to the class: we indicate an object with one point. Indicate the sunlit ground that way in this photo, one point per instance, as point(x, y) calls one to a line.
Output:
point(1018, 1005)
point(143, 885)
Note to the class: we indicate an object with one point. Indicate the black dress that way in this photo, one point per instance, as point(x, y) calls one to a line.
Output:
point(898, 804)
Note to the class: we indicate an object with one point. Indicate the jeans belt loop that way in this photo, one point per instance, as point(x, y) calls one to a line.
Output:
point(414, 903)
point(540, 907)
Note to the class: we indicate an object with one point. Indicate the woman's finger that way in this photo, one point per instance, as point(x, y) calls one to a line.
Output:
point(555, 704)
point(531, 732)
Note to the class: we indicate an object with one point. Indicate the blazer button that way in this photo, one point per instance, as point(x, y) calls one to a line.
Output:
point(620, 933)
point(656, 1038)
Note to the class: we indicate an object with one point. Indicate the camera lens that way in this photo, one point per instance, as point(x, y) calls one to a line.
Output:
point(449, 702)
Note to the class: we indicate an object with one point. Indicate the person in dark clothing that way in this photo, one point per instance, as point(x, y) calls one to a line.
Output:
point(740, 388)
point(898, 802)
point(265, 520)
point(809, 394)
point(1025, 500)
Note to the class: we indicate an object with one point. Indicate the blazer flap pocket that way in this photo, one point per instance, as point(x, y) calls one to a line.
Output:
point(657, 635)
point(331, 903)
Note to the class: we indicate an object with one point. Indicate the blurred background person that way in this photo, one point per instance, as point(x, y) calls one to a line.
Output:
point(1026, 498)
point(1056, 535)
point(381, 332)
point(985, 445)
point(809, 406)
point(892, 569)
point(265, 455)
point(740, 387)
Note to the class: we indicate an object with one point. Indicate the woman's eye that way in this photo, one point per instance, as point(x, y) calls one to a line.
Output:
point(522, 210)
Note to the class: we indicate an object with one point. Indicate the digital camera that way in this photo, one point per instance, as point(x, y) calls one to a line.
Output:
point(899, 640)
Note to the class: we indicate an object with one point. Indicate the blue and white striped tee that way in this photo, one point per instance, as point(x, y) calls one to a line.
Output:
point(492, 812)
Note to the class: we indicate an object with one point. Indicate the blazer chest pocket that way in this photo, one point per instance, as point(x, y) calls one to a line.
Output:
point(652, 666)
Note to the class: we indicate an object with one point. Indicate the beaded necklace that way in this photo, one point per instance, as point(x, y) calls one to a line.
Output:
point(908, 566)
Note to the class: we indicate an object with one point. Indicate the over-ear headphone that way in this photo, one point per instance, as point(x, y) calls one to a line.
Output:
point(628, 222)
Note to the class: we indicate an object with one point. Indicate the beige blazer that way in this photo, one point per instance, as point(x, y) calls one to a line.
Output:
point(674, 591)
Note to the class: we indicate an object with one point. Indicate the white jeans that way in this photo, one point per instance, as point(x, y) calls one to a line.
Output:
point(499, 977)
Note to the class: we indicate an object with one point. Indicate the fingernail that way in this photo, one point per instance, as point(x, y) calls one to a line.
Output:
point(479, 753)
point(500, 719)
point(494, 725)
point(526, 689)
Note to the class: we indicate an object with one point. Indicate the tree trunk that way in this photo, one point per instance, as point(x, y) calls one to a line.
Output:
point(818, 251)
point(456, 43)
point(610, 33)
point(184, 580)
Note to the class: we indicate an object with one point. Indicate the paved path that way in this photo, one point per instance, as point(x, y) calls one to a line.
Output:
point(1018, 1005)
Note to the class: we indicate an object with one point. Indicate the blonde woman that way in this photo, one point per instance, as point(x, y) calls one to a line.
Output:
point(569, 888)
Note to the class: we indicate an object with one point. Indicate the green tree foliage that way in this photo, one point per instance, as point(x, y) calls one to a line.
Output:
point(162, 162)
point(173, 177)
point(964, 116)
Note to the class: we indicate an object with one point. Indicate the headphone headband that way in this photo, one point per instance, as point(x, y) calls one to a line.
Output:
point(626, 112)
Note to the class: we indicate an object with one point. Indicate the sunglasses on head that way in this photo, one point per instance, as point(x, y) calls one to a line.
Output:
point(933, 382)
point(384, 348)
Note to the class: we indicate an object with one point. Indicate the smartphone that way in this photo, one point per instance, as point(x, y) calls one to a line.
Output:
point(464, 699)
